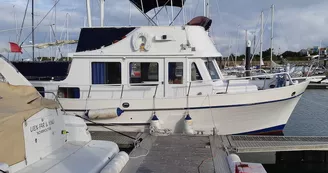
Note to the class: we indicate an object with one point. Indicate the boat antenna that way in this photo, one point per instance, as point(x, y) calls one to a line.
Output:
point(33, 30)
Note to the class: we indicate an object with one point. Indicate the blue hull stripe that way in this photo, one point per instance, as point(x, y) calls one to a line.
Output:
point(222, 106)
point(266, 130)
point(193, 108)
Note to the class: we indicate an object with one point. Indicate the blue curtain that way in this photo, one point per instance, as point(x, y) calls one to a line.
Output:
point(98, 73)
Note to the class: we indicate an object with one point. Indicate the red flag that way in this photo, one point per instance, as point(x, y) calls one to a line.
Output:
point(15, 48)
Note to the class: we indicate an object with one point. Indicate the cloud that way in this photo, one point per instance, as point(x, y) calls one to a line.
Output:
point(298, 23)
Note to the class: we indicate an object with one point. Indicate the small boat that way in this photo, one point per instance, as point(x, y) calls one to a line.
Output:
point(38, 137)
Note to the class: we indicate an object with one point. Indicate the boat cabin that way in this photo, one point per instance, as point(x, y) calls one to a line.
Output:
point(134, 62)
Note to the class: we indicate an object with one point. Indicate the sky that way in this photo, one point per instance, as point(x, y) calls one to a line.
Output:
point(298, 24)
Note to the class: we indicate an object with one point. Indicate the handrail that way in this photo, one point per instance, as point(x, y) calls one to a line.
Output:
point(266, 75)
point(252, 70)
point(56, 98)
point(118, 85)
point(228, 82)
point(203, 82)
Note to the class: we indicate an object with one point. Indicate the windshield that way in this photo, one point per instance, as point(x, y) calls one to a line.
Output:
point(211, 69)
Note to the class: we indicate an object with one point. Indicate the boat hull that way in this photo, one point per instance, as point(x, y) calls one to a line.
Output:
point(260, 112)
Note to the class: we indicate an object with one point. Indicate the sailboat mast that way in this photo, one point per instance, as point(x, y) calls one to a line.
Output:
point(89, 13)
point(272, 18)
point(33, 30)
point(261, 41)
point(102, 7)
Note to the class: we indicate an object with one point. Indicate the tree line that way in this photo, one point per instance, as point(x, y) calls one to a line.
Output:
point(289, 55)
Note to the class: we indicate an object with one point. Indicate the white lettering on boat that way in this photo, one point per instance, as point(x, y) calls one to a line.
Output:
point(42, 127)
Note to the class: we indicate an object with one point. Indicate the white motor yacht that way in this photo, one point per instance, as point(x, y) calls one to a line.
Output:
point(130, 77)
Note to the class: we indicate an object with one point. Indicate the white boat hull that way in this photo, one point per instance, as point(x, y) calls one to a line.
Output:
point(263, 111)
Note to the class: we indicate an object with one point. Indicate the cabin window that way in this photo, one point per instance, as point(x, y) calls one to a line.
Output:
point(141, 72)
point(175, 72)
point(106, 73)
point(195, 75)
point(69, 92)
point(212, 70)
point(40, 90)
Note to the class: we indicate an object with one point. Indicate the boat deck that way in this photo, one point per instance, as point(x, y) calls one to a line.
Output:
point(178, 153)
point(317, 86)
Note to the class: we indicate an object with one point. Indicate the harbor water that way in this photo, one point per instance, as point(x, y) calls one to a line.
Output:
point(310, 118)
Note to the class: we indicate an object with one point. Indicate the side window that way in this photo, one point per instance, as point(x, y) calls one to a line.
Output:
point(40, 90)
point(175, 72)
point(211, 70)
point(106, 73)
point(68, 92)
point(195, 75)
point(141, 72)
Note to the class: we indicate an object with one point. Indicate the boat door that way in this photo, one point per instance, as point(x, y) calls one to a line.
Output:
point(144, 76)
point(175, 77)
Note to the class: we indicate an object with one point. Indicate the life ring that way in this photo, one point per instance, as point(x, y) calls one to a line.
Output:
point(146, 42)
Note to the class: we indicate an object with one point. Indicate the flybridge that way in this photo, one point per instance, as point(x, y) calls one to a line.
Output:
point(95, 38)
point(147, 5)
point(144, 6)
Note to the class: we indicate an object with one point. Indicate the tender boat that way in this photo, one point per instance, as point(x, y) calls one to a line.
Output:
point(36, 136)
point(131, 77)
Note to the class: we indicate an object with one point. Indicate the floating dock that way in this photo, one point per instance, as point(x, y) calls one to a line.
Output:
point(317, 86)
point(179, 153)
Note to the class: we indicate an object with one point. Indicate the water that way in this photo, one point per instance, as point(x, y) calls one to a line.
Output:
point(310, 118)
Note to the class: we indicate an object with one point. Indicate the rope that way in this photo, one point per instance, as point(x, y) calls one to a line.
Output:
point(102, 125)
point(198, 168)
point(142, 155)
point(175, 17)
point(40, 22)
point(209, 102)
point(20, 32)
point(195, 9)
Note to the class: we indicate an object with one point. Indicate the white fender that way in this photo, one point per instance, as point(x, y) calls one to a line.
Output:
point(104, 113)
point(155, 124)
point(233, 159)
point(117, 164)
point(188, 129)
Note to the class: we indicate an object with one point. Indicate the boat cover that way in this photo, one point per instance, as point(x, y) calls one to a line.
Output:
point(147, 5)
point(201, 21)
point(17, 104)
point(44, 70)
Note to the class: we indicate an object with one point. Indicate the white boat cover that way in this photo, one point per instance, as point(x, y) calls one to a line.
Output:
point(17, 104)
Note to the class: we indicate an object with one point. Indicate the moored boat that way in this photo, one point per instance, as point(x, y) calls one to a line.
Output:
point(133, 74)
